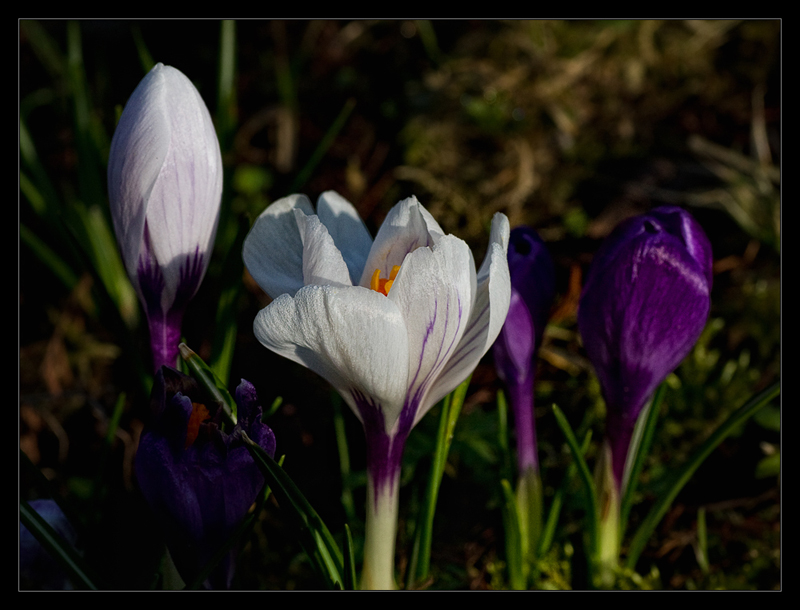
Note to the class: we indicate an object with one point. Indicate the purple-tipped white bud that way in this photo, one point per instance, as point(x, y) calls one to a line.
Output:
point(165, 186)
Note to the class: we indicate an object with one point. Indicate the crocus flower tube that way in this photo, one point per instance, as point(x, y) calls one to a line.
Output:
point(532, 291)
point(164, 186)
point(394, 325)
point(199, 480)
point(643, 307)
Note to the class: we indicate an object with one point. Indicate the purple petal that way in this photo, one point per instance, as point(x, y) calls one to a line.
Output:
point(201, 492)
point(532, 275)
point(644, 305)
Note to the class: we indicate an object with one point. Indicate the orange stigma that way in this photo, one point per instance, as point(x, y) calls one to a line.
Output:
point(383, 285)
point(198, 416)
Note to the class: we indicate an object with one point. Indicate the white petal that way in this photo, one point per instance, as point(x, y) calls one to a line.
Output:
point(323, 264)
point(434, 290)
point(407, 226)
point(353, 337)
point(165, 175)
point(273, 249)
point(348, 231)
point(488, 314)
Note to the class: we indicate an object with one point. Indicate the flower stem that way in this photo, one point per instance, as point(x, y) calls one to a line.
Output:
point(608, 540)
point(529, 506)
point(381, 531)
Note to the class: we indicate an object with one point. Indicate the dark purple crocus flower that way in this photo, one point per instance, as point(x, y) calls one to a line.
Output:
point(164, 188)
point(532, 292)
point(199, 480)
point(643, 307)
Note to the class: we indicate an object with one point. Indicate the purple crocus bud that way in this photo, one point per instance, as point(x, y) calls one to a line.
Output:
point(164, 186)
point(643, 307)
point(532, 291)
point(199, 480)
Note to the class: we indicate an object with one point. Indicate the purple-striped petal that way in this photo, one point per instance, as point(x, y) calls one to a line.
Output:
point(165, 186)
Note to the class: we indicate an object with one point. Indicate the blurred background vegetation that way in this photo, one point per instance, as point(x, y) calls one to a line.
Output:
point(569, 126)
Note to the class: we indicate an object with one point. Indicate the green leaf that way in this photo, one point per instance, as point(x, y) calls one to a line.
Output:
point(640, 447)
point(210, 382)
point(78, 571)
point(592, 511)
point(682, 476)
point(514, 554)
point(314, 536)
point(548, 533)
point(349, 561)
point(421, 553)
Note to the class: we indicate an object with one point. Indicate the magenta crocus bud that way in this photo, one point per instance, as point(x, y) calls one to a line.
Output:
point(164, 186)
point(643, 307)
point(532, 291)
point(199, 480)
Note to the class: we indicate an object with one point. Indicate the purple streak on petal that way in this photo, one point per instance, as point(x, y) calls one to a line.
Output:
point(415, 400)
point(644, 304)
point(192, 271)
point(468, 342)
point(150, 277)
point(164, 320)
point(199, 494)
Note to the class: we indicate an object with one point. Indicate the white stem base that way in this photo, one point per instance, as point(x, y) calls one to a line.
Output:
point(381, 531)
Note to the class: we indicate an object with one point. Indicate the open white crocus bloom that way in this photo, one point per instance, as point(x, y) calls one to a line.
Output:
point(394, 325)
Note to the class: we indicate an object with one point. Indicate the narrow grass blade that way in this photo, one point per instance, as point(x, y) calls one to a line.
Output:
point(350, 580)
point(327, 140)
point(683, 475)
point(503, 433)
point(224, 341)
point(642, 440)
point(421, 554)
point(205, 376)
point(549, 530)
point(514, 554)
point(80, 574)
point(51, 260)
point(314, 536)
point(344, 458)
point(588, 483)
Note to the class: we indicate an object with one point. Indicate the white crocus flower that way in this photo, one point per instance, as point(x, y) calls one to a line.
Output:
point(164, 186)
point(394, 325)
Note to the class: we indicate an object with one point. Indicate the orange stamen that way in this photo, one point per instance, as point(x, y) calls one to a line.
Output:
point(383, 285)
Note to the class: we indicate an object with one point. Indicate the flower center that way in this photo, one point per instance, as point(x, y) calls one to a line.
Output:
point(383, 285)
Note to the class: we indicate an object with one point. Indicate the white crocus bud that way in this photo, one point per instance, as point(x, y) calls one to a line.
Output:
point(165, 186)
